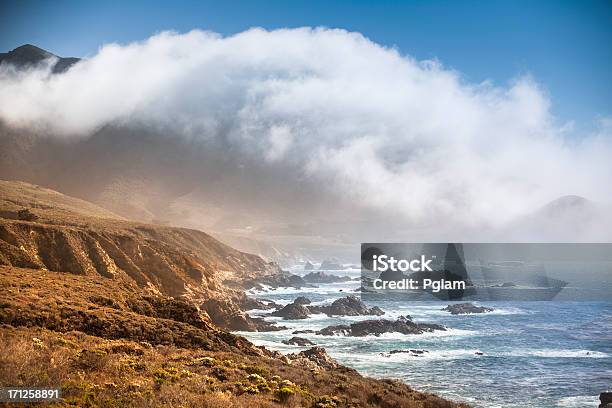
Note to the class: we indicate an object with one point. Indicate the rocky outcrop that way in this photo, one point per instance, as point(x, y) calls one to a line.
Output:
point(298, 341)
point(315, 358)
point(411, 352)
point(249, 303)
point(466, 308)
point(322, 277)
point(402, 325)
point(292, 311)
point(348, 306)
point(301, 300)
point(606, 399)
point(228, 315)
point(278, 280)
point(302, 331)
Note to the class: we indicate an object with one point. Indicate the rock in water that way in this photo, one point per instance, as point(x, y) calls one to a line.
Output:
point(377, 327)
point(606, 399)
point(466, 308)
point(292, 312)
point(278, 280)
point(348, 306)
point(414, 352)
point(301, 300)
point(298, 341)
point(351, 306)
point(302, 331)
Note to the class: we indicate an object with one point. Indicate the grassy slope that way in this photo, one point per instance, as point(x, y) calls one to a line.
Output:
point(77, 317)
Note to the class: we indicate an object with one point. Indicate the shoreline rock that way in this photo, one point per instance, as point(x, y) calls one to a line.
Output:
point(411, 352)
point(298, 341)
point(285, 280)
point(403, 325)
point(302, 331)
point(466, 308)
point(347, 306)
point(606, 399)
point(300, 308)
point(292, 311)
point(316, 358)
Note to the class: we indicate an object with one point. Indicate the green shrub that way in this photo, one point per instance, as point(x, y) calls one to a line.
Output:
point(326, 401)
point(251, 369)
point(284, 393)
point(205, 361)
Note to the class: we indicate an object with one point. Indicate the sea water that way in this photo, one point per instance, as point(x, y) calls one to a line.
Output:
point(523, 354)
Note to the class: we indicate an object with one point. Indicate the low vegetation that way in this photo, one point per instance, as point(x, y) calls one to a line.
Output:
point(195, 365)
point(122, 314)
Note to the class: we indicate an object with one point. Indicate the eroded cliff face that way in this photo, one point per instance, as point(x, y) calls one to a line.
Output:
point(45, 230)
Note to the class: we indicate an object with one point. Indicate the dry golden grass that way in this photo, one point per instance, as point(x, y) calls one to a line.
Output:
point(96, 372)
point(110, 345)
point(86, 306)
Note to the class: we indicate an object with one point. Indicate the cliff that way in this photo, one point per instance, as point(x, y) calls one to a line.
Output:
point(119, 313)
point(45, 230)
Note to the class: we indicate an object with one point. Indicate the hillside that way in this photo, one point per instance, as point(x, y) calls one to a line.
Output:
point(43, 229)
point(119, 313)
point(108, 345)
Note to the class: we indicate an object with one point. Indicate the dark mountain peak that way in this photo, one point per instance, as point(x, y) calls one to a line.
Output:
point(25, 55)
point(28, 55)
point(31, 50)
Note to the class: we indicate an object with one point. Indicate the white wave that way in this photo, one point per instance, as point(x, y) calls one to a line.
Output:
point(504, 311)
point(556, 353)
point(395, 336)
point(347, 289)
point(436, 310)
point(429, 355)
point(580, 401)
point(258, 312)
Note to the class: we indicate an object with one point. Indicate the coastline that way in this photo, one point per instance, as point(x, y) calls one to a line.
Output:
point(479, 348)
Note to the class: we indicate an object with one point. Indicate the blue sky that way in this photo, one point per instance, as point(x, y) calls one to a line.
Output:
point(565, 45)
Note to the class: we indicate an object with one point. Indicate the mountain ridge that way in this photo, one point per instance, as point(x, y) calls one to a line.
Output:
point(29, 55)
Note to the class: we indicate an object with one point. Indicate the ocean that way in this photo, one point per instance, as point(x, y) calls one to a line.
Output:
point(530, 354)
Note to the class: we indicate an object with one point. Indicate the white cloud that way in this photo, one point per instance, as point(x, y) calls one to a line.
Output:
point(401, 137)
